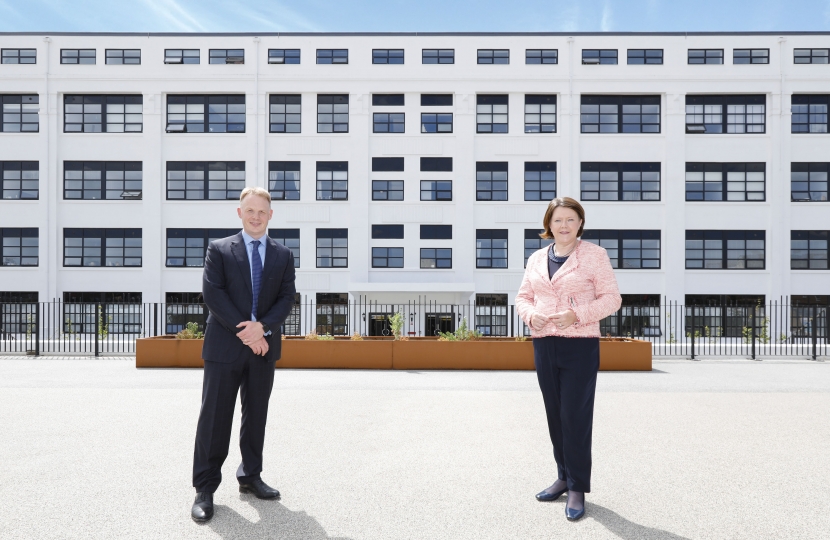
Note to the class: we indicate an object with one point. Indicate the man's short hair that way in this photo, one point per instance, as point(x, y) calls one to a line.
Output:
point(258, 191)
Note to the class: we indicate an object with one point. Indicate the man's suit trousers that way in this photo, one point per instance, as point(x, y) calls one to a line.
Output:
point(567, 373)
point(252, 375)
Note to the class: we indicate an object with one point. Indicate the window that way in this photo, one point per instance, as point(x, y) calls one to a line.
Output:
point(393, 232)
point(628, 249)
point(725, 181)
point(293, 323)
point(387, 190)
point(534, 242)
point(437, 190)
point(491, 314)
point(19, 180)
point(620, 114)
point(436, 164)
point(99, 114)
point(540, 180)
point(332, 113)
point(332, 248)
point(387, 257)
point(102, 247)
point(809, 113)
point(436, 122)
point(332, 56)
point(491, 180)
point(388, 123)
point(733, 250)
point(332, 314)
point(540, 114)
point(96, 180)
point(83, 312)
point(77, 56)
point(494, 56)
point(436, 100)
point(438, 56)
point(639, 315)
point(332, 180)
point(605, 181)
point(181, 56)
point(17, 312)
point(290, 238)
point(645, 56)
point(705, 56)
point(284, 180)
point(808, 250)
point(18, 56)
point(387, 100)
point(20, 113)
point(750, 56)
point(182, 308)
point(599, 56)
point(743, 114)
point(434, 258)
point(286, 112)
point(491, 248)
point(808, 181)
point(436, 232)
point(724, 315)
point(205, 180)
point(227, 56)
point(205, 114)
point(283, 56)
point(188, 247)
point(491, 114)
point(810, 56)
point(541, 56)
point(122, 56)
point(20, 247)
point(387, 56)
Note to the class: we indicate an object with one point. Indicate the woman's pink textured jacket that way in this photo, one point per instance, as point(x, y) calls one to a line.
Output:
point(585, 284)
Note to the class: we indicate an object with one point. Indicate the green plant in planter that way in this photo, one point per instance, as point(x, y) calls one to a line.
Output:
point(462, 333)
point(325, 337)
point(191, 331)
point(396, 324)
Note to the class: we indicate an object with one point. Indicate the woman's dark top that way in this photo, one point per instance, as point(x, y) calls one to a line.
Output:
point(554, 262)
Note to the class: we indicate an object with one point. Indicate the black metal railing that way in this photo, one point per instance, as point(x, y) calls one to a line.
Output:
point(770, 329)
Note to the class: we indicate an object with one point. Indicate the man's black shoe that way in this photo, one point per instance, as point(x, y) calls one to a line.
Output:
point(260, 489)
point(202, 509)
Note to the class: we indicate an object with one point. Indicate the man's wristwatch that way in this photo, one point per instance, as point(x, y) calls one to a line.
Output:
point(265, 329)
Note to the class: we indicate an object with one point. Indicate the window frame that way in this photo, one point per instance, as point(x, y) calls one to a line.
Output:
point(285, 56)
point(123, 57)
point(706, 56)
point(24, 248)
point(483, 101)
point(24, 100)
point(619, 168)
point(645, 56)
point(599, 56)
point(435, 232)
point(336, 56)
point(386, 254)
point(282, 236)
point(810, 101)
point(427, 121)
point(332, 167)
point(389, 123)
point(105, 101)
point(103, 234)
point(491, 318)
point(65, 57)
point(724, 168)
point(544, 100)
point(809, 167)
point(170, 58)
point(23, 167)
point(750, 56)
point(228, 56)
point(723, 236)
point(533, 242)
point(295, 102)
point(809, 236)
point(617, 254)
point(724, 102)
point(544, 167)
point(206, 100)
point(542, 57)
point(205, 235)
point(334, 234)
point(440, 54)
point(491, 169)
point(486, 246)
point(384, 186)
point(437, 255)
point(277, 167)
point(4, 55)
point(336, 100)
point(811, 56)
point(608, 100)
point(377, 55)
point(205, 167)
point(104, 190)
point(436, 190)
point(495, 56)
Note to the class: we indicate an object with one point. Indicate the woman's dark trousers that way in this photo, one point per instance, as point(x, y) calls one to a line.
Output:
point(567, 372)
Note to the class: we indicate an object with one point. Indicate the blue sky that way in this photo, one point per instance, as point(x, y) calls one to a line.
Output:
point(411, 15)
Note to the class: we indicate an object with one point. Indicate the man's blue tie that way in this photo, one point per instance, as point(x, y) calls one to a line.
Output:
point(256, 275)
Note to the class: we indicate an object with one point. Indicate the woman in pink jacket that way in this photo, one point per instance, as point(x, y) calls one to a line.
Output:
point(568, 287)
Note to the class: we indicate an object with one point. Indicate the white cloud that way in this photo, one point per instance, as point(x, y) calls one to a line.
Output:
point(607, 17)
point(279, 18)
point(176, 15)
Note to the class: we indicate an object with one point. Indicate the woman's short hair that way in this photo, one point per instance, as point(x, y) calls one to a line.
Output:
point(567, 202)
point(258, 191)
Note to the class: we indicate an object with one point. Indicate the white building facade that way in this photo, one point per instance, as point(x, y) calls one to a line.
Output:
point(416, 167)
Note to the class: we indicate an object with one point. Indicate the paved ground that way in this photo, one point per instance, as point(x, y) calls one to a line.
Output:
point(711, 449)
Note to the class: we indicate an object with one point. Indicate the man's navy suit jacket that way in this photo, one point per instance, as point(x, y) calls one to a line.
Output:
point(228, 293)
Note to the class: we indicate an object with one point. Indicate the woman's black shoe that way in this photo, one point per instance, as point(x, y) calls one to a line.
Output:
point(544, 496)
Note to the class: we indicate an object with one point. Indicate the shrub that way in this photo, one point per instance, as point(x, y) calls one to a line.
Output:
point(191, 331)
point(462, 333)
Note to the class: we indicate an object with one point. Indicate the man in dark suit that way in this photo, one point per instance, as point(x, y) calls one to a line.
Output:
point(248, 287)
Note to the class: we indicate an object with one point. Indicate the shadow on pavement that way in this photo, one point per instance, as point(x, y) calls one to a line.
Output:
point(628, 530)
point(275, 522)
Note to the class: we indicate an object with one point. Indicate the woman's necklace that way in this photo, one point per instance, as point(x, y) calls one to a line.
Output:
point(566, 254)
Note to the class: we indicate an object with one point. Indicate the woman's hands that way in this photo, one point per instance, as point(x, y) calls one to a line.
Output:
point(562, 320)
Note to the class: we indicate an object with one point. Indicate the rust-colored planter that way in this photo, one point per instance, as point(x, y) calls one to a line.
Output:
point(623, 354)
point(482, 354)
point(337, 354)
point(168, 351)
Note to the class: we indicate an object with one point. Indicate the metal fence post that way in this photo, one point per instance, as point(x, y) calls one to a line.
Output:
point(814, 330)
point(37, 329)
point(752, 330)
point(96, 325)
point(692, 332)
point(512, 321)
